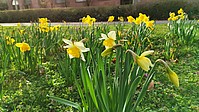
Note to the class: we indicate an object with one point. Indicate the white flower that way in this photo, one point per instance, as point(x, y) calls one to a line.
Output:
point(109, 41)
point(75, 49)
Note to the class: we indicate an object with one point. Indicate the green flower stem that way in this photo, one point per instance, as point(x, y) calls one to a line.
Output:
point(144, 88)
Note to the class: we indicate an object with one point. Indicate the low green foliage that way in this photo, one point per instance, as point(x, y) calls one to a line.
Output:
point(55, 74)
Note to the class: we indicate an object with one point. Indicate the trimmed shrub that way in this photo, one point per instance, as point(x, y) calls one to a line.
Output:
point(157, 10)
point(3, 6)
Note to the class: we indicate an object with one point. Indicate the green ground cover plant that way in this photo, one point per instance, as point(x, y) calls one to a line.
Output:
point(90, 67)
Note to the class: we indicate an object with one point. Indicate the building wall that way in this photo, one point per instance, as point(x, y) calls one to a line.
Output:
point(67, 3)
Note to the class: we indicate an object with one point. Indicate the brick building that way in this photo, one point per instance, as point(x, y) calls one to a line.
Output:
point(27, 4)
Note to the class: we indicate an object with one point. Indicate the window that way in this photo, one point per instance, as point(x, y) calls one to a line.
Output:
point(80, 0)
point(60, 1)
point(27, 2)
point(15, 2)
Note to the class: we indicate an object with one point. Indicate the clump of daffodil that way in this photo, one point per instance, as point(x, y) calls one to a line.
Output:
point(23, 46)
point(88, 20)
point(111, 18)
point(144, 19)
point(130, 19)
point(121, 19)
point(9, 40)
point(181, 15)
point(173, 77)
point(172, 16)
point(142, 60)
point(43, 21)
point(43, 25)
point(75, 49)
point(54, 28)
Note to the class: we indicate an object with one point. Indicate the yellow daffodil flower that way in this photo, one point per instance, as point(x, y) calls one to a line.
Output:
point(23, 46)
point(150, 24)
point(172, 14)
point(121, 19)
point(180, 11)
point(137, 21)
point(111, 18)
point(130, 19)
point(119, 33)
point(182, 17)
point(141, 60)
point(21, 32)
point(57, 27)
point(43, 20)
point(143, 17)
point(9, 40)
point(88, 20)
point(174, 18)
point(75, 49)
point(109, 41)
point(18, 24)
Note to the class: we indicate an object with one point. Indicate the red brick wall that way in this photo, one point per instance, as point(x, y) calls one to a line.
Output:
point(69, 3)
point(73, 3)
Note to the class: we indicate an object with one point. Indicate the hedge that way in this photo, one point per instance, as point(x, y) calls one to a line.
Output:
point(157, 10)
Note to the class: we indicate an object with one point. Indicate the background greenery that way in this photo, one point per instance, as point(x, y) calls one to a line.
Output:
point(27, 92)
point(157, 9)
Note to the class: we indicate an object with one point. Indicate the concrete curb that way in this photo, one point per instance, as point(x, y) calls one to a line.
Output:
point(74, 23)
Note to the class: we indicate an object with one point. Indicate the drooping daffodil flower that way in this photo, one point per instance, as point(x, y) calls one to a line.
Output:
point(75, 49)
point(173, 77)
point(142, 60)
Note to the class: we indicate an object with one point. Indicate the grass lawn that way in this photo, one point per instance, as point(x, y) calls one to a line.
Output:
point(27, 92)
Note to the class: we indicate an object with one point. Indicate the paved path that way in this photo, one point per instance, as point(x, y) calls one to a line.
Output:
point(72, 23)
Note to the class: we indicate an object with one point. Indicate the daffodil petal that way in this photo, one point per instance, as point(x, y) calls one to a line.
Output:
point(71, 56)
point(80, 45)
point(146, 53)
point(82, 56)
point(67, 41)
point(144, 63)
point(85, 50)
point(103, 36)
point(112, 35)
point(18, 44)
point(67, 46)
